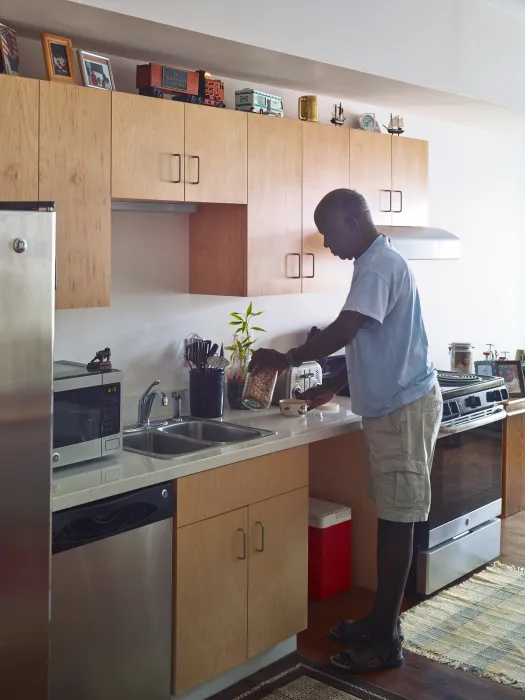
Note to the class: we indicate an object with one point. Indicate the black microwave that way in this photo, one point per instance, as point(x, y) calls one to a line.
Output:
point(87, 413)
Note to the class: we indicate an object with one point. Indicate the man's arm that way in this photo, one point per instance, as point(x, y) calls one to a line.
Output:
point(332, 338)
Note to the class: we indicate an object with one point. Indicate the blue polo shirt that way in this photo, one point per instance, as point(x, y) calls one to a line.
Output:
point(388, 364)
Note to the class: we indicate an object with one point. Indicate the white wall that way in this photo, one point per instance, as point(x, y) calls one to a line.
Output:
point(467, 47)
point(477, 180)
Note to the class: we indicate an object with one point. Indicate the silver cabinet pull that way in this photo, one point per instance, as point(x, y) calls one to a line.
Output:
point(197, 158)
point(261, 548)
point(178, 155)
point(244, 543)
point(398, 211)
point(389, 192)
point(295, 277)
point(310, 277)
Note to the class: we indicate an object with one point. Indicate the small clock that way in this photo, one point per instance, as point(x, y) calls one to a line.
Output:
point(367, 122)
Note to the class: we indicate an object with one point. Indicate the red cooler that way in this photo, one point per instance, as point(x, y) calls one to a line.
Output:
point(329, 549)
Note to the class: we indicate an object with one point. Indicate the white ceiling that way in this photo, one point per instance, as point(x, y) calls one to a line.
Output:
point(515, 7)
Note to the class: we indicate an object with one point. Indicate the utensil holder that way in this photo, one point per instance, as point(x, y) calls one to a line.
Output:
point(206, 394)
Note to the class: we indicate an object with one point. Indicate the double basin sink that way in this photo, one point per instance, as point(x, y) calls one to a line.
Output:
point(185, 435)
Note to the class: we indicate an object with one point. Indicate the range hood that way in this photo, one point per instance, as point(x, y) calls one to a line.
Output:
point(422, 242)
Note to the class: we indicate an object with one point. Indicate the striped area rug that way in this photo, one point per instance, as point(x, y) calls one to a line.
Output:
point(477, 626)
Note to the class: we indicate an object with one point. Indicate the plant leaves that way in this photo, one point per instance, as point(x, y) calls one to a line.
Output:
point(256, 328)
point(249, 309)
point(236, 315)
point(258, 313)
point(235, 323)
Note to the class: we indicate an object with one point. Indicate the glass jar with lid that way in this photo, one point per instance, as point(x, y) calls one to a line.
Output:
point(259, 388)
point(461, 357)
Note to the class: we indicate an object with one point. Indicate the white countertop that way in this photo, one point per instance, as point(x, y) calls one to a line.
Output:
point(91, 481)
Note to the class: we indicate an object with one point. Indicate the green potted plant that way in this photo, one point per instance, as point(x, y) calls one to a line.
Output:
point(240, 352)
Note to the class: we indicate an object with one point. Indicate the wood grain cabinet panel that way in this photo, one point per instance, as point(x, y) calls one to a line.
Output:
point(19, 103)
point(147, 148)
point(75, 172)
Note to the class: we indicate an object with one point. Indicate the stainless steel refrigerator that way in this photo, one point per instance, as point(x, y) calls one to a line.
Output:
point(27, 290)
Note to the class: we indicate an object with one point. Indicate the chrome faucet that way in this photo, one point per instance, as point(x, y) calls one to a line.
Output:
point(177, 400)
point(146, 402)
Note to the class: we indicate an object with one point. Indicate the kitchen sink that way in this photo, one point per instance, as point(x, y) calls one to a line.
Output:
point(153, 442)
point(211, 431)
point(187, 435)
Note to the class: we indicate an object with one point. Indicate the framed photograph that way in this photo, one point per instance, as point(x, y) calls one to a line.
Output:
point(58, 56)
point(95, 71)
point(512, 374)
point(485, 368)
point(9, 55)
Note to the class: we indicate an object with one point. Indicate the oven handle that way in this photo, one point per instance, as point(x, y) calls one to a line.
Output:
point(453, 429)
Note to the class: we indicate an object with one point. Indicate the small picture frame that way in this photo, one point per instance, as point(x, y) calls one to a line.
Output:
point(512, 374)
point(485, 368)
point(9, 53)
point(95, 71)
point(58, 57)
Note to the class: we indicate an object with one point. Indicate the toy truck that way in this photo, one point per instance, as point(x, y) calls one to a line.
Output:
point(249, 100)
point(196, 87)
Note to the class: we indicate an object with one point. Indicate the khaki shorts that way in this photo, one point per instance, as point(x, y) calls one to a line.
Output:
point(400, 449)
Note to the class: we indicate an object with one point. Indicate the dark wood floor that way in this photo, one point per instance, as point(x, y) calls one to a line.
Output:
point(418, 678)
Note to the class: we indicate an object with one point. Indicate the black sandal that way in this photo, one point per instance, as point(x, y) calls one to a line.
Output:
point(369, 658)
point(356, 631)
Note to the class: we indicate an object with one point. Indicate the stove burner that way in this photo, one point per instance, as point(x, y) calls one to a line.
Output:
point(457, 378)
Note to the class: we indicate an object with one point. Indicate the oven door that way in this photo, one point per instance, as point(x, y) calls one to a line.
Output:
point(86, 420)
point(463, 529)
point(466, 477)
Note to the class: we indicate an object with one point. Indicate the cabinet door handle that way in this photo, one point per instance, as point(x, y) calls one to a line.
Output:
point(197, 158)
point(244, 543)
point(261, 548)
point(178, 155)
point(398, 211)
point(295, 277)
point(310, 277)
point(389, 192)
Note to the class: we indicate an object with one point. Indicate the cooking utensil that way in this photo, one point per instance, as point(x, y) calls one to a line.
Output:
point(217, 363)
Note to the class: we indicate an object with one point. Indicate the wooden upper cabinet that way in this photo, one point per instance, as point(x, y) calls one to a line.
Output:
point(277, 570)
point(325, 167)
point(19, 99)
point(216, 145)
point(274, 205)
point(75, 172)
point(210, 598)
point(147, 148)
point(371, 171)
point(409, 181)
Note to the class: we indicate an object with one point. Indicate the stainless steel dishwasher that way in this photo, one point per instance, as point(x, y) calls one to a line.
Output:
point(111, 598)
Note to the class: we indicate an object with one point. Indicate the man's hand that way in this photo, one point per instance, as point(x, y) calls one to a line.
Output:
point(317, 396)
point(264, 358)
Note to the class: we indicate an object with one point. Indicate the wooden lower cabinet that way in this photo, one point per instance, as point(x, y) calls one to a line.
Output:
point(277, 570)
point(211, 592)
point(513, 495)
point(241, 576)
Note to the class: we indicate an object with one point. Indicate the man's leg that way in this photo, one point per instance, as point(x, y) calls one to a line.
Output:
point(401, 447)
point(394, 555)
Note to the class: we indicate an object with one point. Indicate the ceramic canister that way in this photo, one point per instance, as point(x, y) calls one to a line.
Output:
point(308, 108)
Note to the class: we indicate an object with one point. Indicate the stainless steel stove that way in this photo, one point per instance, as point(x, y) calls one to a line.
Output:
point(463, 529)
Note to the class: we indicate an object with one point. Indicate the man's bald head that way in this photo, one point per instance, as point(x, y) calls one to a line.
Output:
point(343, 218)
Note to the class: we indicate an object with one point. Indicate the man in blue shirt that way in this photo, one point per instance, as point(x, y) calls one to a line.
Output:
point(393, 387)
